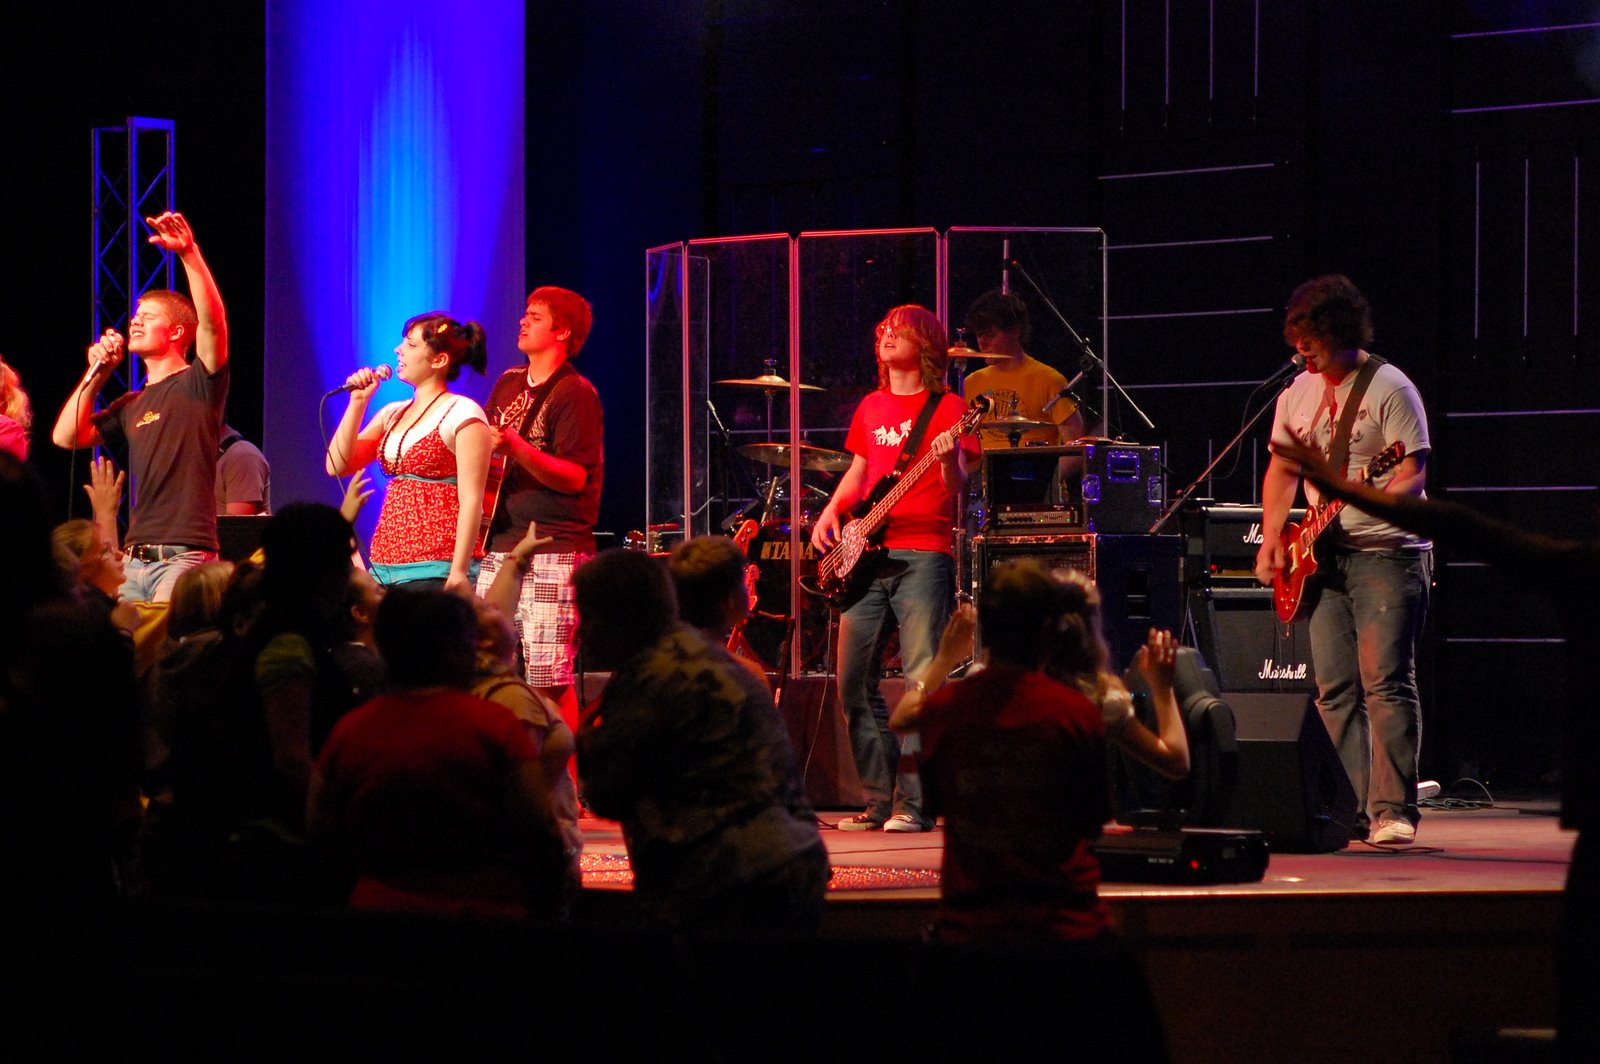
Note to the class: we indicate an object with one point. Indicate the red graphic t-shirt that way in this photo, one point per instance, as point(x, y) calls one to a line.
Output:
point(923, 518)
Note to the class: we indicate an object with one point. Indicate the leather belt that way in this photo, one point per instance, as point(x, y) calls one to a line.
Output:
point(159, 552)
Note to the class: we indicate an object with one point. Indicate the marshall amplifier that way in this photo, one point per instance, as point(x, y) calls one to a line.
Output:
point(1223, 540)
point(1249, 648)
point(1137, 577)
point(1103, 487)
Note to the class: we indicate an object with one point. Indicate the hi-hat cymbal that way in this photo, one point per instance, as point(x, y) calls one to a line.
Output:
point(818, 458)
point(770, 381)
point(1015, 423)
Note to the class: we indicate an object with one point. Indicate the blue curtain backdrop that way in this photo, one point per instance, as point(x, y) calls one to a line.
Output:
point(394, 186)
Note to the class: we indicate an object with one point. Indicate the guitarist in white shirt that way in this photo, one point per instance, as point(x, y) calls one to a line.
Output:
point(917, 585)
point(1370, 590)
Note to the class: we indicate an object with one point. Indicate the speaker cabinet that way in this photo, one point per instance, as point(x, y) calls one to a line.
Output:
point(1137, 577)
point(1291, 786)
point(1249, 648)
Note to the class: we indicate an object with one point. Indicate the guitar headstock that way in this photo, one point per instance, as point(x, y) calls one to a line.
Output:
point(977, 410)
point(1386, 460)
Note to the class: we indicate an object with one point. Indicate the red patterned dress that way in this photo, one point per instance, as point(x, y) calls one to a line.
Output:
point(416, 534)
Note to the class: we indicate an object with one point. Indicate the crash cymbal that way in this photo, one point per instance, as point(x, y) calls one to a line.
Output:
point(1014, 423)
point(972, 352)
point(777, 454)
point(770, 381)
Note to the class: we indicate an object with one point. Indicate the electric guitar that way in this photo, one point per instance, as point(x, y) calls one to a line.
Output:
point(491, 499)
point(844, 572)
point(1299, 541)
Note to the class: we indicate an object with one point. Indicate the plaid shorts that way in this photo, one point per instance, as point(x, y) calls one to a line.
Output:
point(547, 614)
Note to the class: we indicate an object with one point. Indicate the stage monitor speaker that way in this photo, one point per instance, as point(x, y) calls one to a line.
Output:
point(1250, 649)
point(1205, 796)
point(1137, 577)
point(1291, 786)
point(239, 535)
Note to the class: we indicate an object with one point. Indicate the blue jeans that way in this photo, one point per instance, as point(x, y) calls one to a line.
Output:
point(919, 595)
point(154, 581)
point(1364, 627)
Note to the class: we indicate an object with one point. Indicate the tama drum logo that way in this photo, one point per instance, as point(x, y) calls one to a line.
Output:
point(1271, 670)
point(1253, 536)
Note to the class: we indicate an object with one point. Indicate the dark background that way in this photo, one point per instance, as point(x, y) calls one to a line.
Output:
point(1229, 149)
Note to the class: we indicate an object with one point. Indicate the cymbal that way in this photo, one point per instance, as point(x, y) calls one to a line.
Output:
point(1015, 423)
point(972, 352)
point(818, 458)
point(768, 380)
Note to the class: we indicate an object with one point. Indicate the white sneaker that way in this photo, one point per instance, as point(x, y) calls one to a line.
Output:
point(905, 822)
point(1428, 789)
point(1392, 831)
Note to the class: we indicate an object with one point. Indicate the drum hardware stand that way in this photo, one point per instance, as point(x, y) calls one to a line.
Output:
point(1090, 359)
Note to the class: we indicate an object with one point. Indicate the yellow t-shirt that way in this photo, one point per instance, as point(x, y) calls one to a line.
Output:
point(1035, 385)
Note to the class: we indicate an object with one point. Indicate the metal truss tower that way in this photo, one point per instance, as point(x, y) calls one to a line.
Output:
point(133, 179)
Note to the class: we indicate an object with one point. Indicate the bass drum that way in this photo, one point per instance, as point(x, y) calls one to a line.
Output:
point(768, 625)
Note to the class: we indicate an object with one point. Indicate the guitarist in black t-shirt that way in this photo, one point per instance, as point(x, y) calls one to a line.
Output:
point(545, 423)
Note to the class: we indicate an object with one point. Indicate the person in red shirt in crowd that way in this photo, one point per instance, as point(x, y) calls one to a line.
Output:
point(916, 588)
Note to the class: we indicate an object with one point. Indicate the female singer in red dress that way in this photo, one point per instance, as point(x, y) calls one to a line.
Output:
point(435, 450)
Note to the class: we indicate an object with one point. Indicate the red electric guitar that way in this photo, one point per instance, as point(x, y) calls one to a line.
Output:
point(1299, 541)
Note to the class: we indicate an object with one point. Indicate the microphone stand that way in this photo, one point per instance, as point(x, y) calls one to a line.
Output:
point(1090, 359)
point(1182, 498)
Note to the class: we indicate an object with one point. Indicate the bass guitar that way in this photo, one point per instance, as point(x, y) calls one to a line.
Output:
point(845, 571)
point(1299, 541)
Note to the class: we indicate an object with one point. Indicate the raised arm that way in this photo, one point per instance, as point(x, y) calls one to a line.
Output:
point(352, 446)
point(1165, 750)
point(74, 426)
point(505, 591)
point(172, 233)
point(955, 647)
point(105, 498)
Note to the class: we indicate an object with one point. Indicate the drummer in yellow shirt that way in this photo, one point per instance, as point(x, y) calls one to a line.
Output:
point(999, 320)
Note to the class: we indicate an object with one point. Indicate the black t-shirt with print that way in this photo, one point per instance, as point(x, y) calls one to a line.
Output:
point(168, 433)
point(568, 426)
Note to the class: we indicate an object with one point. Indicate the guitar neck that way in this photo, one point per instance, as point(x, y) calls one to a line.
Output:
point(880, 512)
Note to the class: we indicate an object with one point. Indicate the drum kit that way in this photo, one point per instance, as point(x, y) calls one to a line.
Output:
point(773, 617)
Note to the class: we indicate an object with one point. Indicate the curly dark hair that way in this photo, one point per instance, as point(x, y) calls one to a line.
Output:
point(1331, 309)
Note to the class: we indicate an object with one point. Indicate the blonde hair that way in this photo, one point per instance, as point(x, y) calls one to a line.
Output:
point(13, 400)
point(933, 343)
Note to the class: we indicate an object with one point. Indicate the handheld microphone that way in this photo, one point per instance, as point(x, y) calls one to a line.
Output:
point(383, 372)
point(95, 367)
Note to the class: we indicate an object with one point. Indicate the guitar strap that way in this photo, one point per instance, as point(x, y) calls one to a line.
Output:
point(1339, 447)
point(914, 439)
point(540, 394)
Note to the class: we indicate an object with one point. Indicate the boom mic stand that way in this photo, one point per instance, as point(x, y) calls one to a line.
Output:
point(1090, 359)
point(1182, 498)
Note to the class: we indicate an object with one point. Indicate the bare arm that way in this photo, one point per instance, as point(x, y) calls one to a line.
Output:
point(506, 589)
point(955, 647)
point(1277, 495)
point(559, 474)
point(851, 488)
point(472, 470)
point(74, 426)
point(352, 446)
point(172, 233)
point(105, 498)
point(1167, 749)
